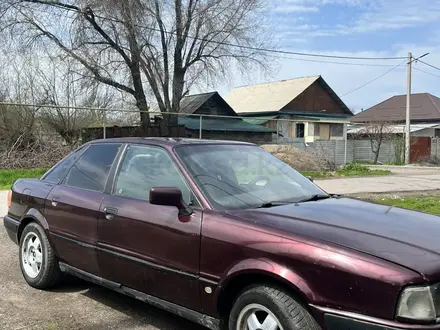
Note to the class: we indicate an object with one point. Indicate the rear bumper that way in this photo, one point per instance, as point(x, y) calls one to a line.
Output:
point(11, 226)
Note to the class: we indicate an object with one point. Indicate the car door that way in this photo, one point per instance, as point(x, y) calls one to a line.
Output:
point(147, 247)
point(72, 207)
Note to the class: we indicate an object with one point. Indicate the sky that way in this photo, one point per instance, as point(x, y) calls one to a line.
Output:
point(361, 28)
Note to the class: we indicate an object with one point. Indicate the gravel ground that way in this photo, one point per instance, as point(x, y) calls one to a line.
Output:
point(74, 305)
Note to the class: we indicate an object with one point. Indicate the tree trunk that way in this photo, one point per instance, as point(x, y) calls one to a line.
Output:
point(145, 116)
point(376, 155)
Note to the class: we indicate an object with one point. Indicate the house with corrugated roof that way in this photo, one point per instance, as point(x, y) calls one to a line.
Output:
point(209, 116)
point(424, 115)
point(302, 108)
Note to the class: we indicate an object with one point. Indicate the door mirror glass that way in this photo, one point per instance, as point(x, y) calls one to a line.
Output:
point(170, 197)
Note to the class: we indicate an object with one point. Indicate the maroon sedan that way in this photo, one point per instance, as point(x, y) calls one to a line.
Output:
point(228, 236)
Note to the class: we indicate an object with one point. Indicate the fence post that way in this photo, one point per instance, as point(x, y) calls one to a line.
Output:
point(200, 127)
point(436, 147)
point(278, 132)
point(345, 142)
point(104, 124)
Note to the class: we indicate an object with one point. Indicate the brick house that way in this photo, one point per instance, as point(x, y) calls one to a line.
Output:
point(310, 109)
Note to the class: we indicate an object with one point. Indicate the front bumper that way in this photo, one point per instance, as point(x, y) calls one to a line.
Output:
point(332, 319)
point(11, 226)
point(337, 322)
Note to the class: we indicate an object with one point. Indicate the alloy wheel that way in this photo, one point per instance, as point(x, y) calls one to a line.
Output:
point(257, 317)
point(32, 255)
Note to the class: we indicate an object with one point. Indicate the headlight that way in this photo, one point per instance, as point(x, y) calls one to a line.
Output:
point(419, 303)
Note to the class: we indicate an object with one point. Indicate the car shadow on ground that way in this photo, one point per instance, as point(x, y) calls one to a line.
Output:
point(138, 313)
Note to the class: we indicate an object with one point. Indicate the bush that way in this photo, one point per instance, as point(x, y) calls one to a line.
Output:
point(34, 155)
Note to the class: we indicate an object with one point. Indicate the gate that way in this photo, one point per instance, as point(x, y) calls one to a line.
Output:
point(420, 149)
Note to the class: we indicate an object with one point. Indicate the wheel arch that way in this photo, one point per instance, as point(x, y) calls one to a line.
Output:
point(33, 215)
point(252, 272)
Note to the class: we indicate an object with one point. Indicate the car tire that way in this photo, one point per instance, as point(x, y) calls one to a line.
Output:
point(38, 262)
point(259, 306)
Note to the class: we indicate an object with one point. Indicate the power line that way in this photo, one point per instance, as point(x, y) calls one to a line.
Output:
point(431, 74)
point(371, 81)
point(430, 65)
point(333, 62)
point(265, 50)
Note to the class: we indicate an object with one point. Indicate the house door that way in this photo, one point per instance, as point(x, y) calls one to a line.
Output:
point(324, 132)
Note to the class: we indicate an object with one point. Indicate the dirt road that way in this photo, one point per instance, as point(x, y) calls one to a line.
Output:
point(74, 305)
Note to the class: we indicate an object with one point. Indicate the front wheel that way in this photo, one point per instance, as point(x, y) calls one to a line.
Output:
point(269, 308)
point(38, 262)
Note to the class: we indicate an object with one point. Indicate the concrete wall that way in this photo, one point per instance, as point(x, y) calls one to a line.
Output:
point(334, 151)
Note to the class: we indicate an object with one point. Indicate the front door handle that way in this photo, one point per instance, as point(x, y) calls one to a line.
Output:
point(110, 212)
point(55, 200)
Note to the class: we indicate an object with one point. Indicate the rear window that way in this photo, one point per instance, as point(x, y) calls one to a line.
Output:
point(57, 173)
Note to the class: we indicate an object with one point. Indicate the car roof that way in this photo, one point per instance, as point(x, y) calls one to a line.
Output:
point(167, 142)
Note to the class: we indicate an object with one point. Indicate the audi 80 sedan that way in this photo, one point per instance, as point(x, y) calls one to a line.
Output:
point(226, 235)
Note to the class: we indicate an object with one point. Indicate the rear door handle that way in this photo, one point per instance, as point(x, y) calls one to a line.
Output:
point(55, 200)
point(110, 212)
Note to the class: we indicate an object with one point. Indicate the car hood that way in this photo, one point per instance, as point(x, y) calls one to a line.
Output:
point(407, 238)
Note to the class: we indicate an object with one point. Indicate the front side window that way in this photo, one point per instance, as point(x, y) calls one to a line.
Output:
point(241, 176)
point(146, 167)
point(92, 168)
point(57, 173)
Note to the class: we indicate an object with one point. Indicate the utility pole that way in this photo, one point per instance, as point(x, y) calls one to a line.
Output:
point(408, 111)
point(408, 108)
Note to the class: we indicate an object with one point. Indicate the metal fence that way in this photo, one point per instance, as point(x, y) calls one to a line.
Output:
point(79, 124)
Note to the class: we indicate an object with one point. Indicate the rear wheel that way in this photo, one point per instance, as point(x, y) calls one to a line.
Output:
point(269, 308)
point(38, 262)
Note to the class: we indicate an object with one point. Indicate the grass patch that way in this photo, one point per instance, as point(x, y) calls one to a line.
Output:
point(8, 177)
point(349, 170)
point(428, 204)
point(317, 175)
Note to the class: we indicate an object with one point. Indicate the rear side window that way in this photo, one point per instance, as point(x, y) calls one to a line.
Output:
point(92, 168)
point(59, 171)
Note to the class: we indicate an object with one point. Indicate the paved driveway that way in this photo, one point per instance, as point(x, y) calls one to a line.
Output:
point(3, 203)
point(402, 179)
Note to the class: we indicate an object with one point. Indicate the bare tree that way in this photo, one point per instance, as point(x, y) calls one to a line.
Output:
point(70, 96)
point(145, 46)
point(377, 132)
point(19, 84)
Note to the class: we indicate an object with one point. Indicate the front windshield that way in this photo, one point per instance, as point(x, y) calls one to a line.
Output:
point(243, 176)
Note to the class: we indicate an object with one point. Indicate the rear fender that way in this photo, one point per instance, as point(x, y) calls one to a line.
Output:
point(33, 215)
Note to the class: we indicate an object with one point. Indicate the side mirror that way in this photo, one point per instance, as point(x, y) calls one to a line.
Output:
point(310, 178)
point(170, 197)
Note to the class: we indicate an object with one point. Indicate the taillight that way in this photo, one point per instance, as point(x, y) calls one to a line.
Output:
point(9, 198)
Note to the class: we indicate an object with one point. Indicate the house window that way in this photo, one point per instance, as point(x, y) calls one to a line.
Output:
point(437, 132)
point(336, 129)
point(316, 132)
point(299, 130)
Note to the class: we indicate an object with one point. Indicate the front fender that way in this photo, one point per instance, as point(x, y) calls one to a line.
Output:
point(267, 268)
